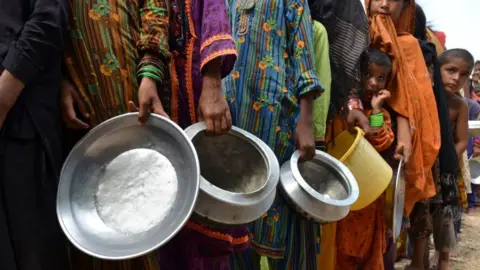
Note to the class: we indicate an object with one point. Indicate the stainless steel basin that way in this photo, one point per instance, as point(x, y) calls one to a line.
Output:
point(322, 189)
point(79, 182)
point(474, 128)
point(239, 175)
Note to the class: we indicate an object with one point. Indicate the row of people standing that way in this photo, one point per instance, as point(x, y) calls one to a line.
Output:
point(169, 59)
point(166, 57)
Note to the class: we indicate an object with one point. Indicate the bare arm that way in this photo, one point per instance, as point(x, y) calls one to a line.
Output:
point(461, 130)
point(10, 89)
point(153, 67)
point(404, 139)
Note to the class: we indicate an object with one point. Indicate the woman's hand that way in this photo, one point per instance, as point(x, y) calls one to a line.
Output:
point(69, 100)
point(149, 101)
point(304, 139)
point(358, 118)
point(212, 106)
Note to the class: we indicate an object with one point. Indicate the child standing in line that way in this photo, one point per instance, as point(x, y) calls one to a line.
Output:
point(455, 67)
point(361, 236)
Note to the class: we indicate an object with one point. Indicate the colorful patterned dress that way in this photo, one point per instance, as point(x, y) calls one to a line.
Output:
point(108, 38)
point(274, 69)
point(199, 33)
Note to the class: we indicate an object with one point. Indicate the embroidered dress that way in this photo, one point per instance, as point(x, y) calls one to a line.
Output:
point(274, 69)
point(361, 235)
point(107, 39)
point(199, 33)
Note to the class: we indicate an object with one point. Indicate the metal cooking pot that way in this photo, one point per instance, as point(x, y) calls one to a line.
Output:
point(81, 177)
point(323, 188)
point(394, 202)
point(239, 176)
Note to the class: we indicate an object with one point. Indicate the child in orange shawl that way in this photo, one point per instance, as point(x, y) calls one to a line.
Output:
point(361, 236)
point(391, 28)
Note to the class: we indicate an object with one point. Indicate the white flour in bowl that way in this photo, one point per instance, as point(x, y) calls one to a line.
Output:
point(136, 191)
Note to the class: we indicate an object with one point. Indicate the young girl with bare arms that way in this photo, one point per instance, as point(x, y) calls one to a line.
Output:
point(455, 67)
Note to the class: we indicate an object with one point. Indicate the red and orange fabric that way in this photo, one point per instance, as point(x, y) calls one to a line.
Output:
point(412, 97)
point(381, 138)
point(361, 236)
point(439, 46)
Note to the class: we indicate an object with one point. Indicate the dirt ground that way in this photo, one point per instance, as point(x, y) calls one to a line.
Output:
point(468, 253)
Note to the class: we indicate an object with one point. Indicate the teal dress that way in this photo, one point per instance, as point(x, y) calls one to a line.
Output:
point(274, 69)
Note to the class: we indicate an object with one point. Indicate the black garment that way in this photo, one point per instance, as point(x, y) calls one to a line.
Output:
point(447, 155)
point(32, 35)
point(348, 36)
point(30, 236)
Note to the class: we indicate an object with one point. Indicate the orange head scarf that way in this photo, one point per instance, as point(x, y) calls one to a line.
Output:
point(412, 97)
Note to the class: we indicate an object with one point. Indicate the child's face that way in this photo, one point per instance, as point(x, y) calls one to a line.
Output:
point(392, 8)
point(476, 73)
point(455, 74)
point(374, 80)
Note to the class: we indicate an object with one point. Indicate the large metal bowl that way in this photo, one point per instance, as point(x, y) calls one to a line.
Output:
point(239, 176)
point(79, 182)
point(474, 128)
point(322, 189)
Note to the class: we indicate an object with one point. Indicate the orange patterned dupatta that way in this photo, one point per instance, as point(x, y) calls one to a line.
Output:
point(412, 97)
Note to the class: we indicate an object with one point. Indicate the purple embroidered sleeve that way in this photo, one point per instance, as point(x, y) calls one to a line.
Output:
point(216, 36)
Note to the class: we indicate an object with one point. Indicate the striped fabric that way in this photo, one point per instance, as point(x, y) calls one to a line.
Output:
point(274, 69)
point(107, 36)
point(347, 28)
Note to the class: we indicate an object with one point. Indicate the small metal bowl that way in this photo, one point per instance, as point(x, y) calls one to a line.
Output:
point(474, 128)
point(322, 188)
point(474, 165)
point(239, 176)
point(79, 182)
